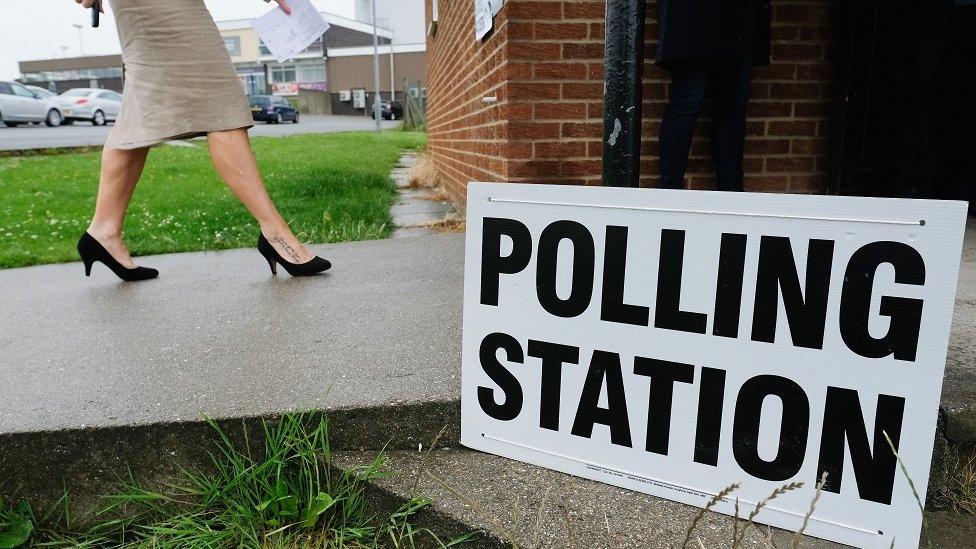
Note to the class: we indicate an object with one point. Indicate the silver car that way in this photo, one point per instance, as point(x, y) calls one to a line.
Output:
point(91, 104)
point(19, 105)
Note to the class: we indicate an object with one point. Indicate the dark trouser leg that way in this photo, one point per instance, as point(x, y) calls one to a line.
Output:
point(963, 59)
point(729, 122)
point(923, 130)
point(678, 124)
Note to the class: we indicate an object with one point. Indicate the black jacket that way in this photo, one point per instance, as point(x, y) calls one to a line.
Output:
point(708, 29)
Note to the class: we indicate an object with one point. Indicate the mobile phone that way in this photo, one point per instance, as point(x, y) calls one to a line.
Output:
point(96, 11)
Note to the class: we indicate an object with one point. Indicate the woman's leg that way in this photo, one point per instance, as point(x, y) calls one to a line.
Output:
point(120, 173)
point(232, 156)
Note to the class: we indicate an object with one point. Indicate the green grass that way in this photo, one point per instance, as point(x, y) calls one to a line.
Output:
point(287, 496)
point(330, 188)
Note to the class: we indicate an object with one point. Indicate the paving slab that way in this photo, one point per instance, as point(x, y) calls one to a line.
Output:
point(538, 508)
point(216, 334)
point(416, 209)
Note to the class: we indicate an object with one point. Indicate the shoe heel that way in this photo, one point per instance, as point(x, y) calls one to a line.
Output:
point(273, 265)
point(88, 266)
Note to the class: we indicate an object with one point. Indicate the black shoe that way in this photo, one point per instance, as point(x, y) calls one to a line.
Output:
point(309, 268)
point(91, 251)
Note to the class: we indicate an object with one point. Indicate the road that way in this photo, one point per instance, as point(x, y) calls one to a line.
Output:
point(83, 134)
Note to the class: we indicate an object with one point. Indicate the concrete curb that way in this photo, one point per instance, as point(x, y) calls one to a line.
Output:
point(39, 466)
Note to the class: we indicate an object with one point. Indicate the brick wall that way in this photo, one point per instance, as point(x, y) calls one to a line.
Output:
point(544, 64)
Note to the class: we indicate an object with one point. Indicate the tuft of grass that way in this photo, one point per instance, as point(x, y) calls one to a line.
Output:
point(329, 187)
point(287, 496)
point(911, 484)
point(962, 490)
point(798, 535)
point(450, 223)
point(16, 525)
point(423, 174)
point(708, 506)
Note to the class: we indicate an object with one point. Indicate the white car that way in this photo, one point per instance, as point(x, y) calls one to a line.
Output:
point(20, 105)
point(91, 104)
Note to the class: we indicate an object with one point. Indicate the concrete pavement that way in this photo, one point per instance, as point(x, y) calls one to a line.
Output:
point(216, 334)
point(82, 134)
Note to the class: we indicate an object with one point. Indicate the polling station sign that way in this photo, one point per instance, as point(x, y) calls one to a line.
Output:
point(676, 342)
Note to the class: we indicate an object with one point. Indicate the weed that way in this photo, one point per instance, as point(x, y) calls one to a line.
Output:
point(423, 174)
point(962, 489)
point(287, 496)
point(16, 525)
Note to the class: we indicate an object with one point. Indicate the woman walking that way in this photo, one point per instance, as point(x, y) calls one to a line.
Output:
point(180, 83)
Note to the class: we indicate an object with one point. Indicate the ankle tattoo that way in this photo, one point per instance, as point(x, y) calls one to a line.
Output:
point(288, 249)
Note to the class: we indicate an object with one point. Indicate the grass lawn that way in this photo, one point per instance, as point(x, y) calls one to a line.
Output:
point(330, 188)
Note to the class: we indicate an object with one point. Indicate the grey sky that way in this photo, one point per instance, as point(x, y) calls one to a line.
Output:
point(37, 29)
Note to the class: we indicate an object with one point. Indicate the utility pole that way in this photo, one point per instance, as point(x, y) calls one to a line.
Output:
point(624, 62)
point(64, 51)
point(81, 42)
point(392, 74)
point(376, 71)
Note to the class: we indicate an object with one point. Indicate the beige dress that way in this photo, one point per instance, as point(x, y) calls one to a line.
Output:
point(179, 79)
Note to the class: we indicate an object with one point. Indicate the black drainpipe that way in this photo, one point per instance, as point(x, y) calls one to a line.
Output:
point(624, 66)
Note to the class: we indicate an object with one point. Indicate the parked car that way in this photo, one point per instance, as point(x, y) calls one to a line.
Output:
point(19, 105)
point(390, 110)
point(90, 104)
point(273, 109)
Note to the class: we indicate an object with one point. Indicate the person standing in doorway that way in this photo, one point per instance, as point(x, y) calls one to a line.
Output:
point(709, 43)
point(173, 56)
point(936, 73)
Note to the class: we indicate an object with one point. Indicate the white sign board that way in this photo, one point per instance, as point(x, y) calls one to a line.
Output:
point(482, 18)
point(676, 342)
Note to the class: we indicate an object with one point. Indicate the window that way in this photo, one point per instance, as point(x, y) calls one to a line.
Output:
point(311, 71)
point(233, 45)
point(5, 89)
point(44, 94)
point(22, 91)
point(283, 73)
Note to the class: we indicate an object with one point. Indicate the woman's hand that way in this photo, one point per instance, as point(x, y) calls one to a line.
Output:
point(89, 3)
point(283, 4)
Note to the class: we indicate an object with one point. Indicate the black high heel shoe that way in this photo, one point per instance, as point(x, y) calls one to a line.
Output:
point(309, 268)
point(92, 250)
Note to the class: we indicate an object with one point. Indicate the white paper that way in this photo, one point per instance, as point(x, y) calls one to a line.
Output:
point(288, 35)
point(482, 18)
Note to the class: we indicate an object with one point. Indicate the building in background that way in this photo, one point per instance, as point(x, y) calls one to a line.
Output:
point(58, 75)
point(334, 75)
point(350, 73)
